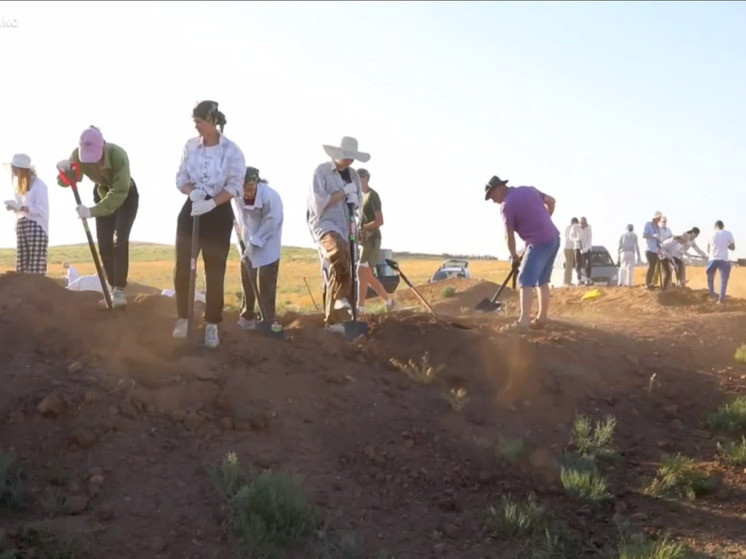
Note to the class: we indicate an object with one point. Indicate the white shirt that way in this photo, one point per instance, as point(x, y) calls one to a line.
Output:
point(665, 233)
point(212, 169)
point(718, 246)
point(323, 219)
point(261, 225)
point(37, 202)
point(72, 274)
point(583, 237)
point(86, 283)
point(570, 242)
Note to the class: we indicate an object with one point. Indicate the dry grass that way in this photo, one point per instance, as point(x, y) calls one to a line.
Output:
point(153, 265)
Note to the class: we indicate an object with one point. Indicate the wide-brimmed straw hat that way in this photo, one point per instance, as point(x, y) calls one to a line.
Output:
point(347, 149)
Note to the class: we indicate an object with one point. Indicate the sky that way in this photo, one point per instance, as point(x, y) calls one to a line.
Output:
point(617, 109)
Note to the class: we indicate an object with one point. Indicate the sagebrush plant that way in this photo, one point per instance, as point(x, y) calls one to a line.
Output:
point(543, 535)
point(422, 373)
point(679, 476)
point(268, 513)
point(581, 478)
point(12, 489)
point(457, 397)
point(593, 439)
point(448, 292)
point(741, 354)
point(733, 453)
point(730, 416)
point(640, 547)
point(512, 519)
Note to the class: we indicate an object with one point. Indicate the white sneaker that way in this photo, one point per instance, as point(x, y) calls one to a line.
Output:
point(180, 330)
point(340, 304)
point(212, 340)
point(118, 299)
point(247, 324)
point(390, 304)
point(337, 328)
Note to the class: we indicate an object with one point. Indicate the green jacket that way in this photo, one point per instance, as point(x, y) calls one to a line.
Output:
point(112, 179)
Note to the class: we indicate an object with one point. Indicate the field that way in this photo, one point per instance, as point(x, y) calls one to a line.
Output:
point(616, 432)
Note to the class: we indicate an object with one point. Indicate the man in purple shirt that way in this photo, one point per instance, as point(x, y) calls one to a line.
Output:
point(527, 211)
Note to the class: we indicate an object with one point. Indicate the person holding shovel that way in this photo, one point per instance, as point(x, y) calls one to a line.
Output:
point(334, 187)
point(116, 202)
point(528, 211)
point(31, 206)
point(211, 174)
point(261, 214)
point(369, 238)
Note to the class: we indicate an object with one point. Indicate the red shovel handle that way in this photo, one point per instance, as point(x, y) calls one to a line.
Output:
point(78, 173)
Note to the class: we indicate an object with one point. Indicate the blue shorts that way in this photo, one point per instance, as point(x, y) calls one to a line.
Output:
point(537, 264)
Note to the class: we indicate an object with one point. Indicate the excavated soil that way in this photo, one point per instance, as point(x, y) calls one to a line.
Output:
point(89, 393)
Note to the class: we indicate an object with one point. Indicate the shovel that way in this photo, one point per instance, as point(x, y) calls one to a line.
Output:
point(354, 328)
point(74, 185)
point(395, 266)
point(264, 327)
point(492, 304)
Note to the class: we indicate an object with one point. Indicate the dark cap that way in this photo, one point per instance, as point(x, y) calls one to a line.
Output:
point(251, 173)
point(363, 173)
point(493, 183)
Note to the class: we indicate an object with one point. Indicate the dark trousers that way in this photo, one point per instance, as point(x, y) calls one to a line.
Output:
point(652, 263)
point(215, 244)
point(583, 260)
point(113, 234)
point(267, 285)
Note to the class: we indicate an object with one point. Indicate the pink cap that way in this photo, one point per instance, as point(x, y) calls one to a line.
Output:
point(91, 145)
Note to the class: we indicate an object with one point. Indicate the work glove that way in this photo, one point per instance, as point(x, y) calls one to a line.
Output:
point(64, 165)
point(352, 199)
point(12, 205)
point(202, 207)
point(83, 212)
point(248, 251)
point(197, 195)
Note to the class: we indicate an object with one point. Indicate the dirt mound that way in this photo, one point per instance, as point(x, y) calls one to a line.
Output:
point(406, 457)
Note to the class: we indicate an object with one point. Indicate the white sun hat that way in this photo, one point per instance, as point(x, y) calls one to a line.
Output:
point(347, 150)
point(21, 161)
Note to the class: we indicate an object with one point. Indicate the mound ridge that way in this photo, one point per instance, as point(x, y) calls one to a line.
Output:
point(86, 389)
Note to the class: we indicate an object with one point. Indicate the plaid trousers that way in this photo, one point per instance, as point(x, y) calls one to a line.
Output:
point(32, 243)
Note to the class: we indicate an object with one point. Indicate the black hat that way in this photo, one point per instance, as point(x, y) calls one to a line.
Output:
point(493, 183)
point(251, 173)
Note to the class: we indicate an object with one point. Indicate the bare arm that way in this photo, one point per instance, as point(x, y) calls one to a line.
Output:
point(510, 239)
point(375, 224)
point(550, 203)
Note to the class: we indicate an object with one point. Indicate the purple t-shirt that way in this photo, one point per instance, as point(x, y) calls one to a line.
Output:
point(524, 212)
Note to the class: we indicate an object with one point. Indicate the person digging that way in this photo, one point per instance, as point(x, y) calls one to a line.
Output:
point(369, 239)
point(261, 215)
point(528, 212)
point(334, 188)
point(116, 202)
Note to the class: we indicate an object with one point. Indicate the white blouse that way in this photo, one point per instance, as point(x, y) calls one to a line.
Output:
point(37, 202)
point(212, 169)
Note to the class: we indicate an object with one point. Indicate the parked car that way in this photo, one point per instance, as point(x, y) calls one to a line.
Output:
point(385, 274)
point(604, 270)
point(452, 268)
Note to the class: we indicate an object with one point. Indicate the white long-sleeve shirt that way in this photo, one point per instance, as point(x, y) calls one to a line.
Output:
point(323, 219)
point(37, 202)
point(212, 169)
point(570, 234)
point(72, 274)
point(584, 238)
point(261, 225)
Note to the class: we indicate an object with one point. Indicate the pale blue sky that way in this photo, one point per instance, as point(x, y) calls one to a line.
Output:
point(615, 109)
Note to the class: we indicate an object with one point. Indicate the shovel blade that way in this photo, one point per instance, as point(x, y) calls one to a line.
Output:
point(270, 329)
point(486, 305)
point(355, 329)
